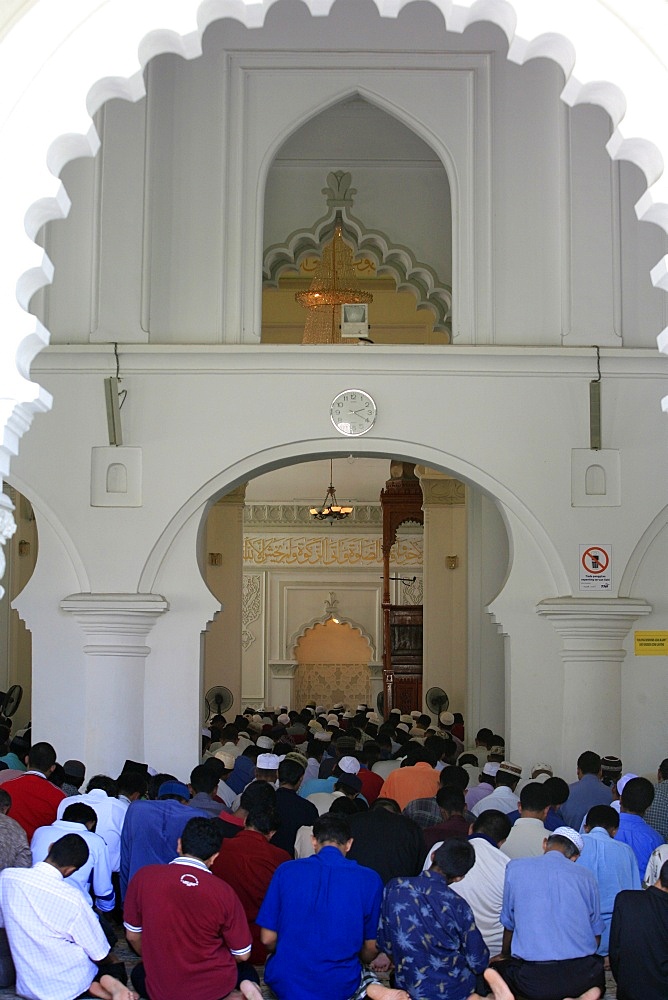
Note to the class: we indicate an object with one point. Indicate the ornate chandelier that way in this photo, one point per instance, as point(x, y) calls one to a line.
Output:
point(331, 509)
point(334, 284)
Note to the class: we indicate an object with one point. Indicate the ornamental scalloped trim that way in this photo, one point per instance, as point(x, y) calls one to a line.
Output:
point(390, 258)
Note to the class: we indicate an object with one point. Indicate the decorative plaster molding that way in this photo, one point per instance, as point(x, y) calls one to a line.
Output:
point(447, 492)
point(283, 668)
point(119, 615)
point(294, 515)
point(341, 619)
point(235, 496)
point(413, 593)
point(349, 550)
point(390, 258)
point(251, 607)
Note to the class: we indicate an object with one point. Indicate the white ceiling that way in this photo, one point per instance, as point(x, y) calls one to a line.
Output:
point(359, 479)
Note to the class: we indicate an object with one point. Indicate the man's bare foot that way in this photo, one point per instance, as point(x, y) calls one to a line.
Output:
point(250, 990)
point(379, 992)
point(109, 988)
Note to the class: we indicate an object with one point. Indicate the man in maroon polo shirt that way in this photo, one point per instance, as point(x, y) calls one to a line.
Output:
point(188, 926)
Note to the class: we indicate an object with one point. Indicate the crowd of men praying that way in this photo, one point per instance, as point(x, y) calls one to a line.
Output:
point(332, 855)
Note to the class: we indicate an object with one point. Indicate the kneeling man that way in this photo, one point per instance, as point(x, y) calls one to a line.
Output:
point(552, 920)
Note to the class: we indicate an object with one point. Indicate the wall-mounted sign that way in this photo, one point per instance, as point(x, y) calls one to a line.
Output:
point(651, 643)
point(596, 567)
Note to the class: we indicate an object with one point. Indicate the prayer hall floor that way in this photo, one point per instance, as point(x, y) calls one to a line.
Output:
point(126, 955)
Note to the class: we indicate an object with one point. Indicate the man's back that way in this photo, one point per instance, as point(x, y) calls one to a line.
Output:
point(95, 873)
point(408, 783)
point(640, 836)
point(150, 833)
point(322, 908)
point(191, 923)
point(294, 812)
point(54, 936)
point(639, 944)
point(582, 795)
point(388, 842)
point(552, 907)
point(110, 813)
point(482, 888)
point(35, 801)
point(614, 866)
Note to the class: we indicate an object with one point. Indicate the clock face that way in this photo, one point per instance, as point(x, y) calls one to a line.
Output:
point(353, 412)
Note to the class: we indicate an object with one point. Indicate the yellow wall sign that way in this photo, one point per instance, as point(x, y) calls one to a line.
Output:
point(651, 643)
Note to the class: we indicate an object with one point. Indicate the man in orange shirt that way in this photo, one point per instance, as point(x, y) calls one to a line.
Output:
point(415, 779)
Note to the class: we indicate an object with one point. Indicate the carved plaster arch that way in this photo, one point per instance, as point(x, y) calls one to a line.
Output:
point(291, 644)
point(57, 53)
point(390, 258)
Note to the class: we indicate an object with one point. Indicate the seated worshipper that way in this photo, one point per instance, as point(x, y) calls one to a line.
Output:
point(188, 926)
point(346, 784)
point(424, 812)
point(451, 804)
point(552, 923)
point(557, 792)
point(151, 829)
point(258, 795)
point(586, 792)
point(642, 838)
point(654, 865)
point(344, 746)
point(34, 799)
point(503, 797)
point(132, 785)
point(386, 841)
point(611, 770)
point(446, 721)
point(482, 886)
point(371, 782)
point(93, 876)
point(13, 755)
point(319, 919)
point(57, 944)
point(639, 942)
point(417, 778)
point(247, 863)
point(528, 834)
point(485, 786)
point(222, 765)
point(612, 863)
point(657, 814)
point(243, 771)
point(75, 772)
point(101, 795)
point(292, 809)
point(266, 769)
point(203, 785)
point(14, 849)
point(429, 931)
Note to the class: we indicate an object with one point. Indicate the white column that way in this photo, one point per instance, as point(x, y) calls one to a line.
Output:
point(592, 632)
point(445, 590)
point(116, 629)
point(222, 639)
point(282, 683)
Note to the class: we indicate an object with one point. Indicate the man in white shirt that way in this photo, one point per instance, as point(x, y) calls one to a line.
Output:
point(482, 886)
point(95, 874)
point(504, 797)
point(57, 944)
point(529, 832)
point(101, 796)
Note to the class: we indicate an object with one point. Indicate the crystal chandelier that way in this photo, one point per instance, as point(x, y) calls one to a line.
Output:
point(334, 284)
point(331, 510)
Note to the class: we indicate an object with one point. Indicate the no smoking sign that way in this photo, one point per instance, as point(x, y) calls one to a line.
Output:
point(595, 567)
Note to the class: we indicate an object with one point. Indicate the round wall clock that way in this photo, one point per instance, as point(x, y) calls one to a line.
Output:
point(353, 412)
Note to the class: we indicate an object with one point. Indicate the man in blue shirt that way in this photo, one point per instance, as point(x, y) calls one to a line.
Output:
point(612, 863)
point(319, 919)
point(552, 922)
point(637, 797)
point(586, 792)
point(429, 931)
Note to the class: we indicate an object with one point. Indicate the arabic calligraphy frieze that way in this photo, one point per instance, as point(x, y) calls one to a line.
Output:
point(348, 550)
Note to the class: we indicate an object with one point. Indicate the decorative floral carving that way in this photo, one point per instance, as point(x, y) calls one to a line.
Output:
point(251, 607)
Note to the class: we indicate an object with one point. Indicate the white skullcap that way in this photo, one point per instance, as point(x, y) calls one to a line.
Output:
point(407, 719)
point(491, 768)
point(228, 759)
point(542, 767)
point(323, 736)
point(415, 714)
point(361, 708)
point(256, 718)
point(570, 834)
point(265, 742)
point(349, 765)
point(403, 726)
point(283, 708)
point(319, 709)
point(348, 715)
point(446, 719)
point(284, 719)
point(623, 781)
point(374, 718)
point(416, 731)
point(395, 711)
point(267, 762)
point(334, 722)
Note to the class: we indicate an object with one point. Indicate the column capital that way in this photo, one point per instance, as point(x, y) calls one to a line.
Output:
point(598, 625)
point(439, 489)
point(124, 618)
point(283, 668)
point(236, 496)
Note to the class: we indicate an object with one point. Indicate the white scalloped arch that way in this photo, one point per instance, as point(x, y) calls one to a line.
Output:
point(61, 61)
